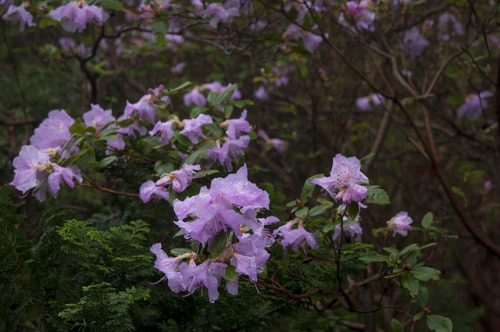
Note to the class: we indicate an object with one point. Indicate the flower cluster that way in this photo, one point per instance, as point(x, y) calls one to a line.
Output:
point(75, 15)
point(231, 206)
point(360, 13)
point(345, 177)
point(180, 180)
point(231, 146)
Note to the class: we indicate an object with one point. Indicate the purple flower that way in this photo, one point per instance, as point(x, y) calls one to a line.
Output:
point(400, 223)
point(277, 143)
point(180, 179)
point(144, 110)
point(250, 256)
point(74, 18)
point(214, 210)
point(178, 68)
point(229, 150)
point(195, 97)
point(295, 237)
point(19, 14)
point(413, 42)
point(169, 266)
point(345, 176)
point(149, 188)
point(309, 39)
point(193, 127)
point(206, 274)
point(53, 132)
point(366, 103)
point(359, 13)
point(165, 131)
point(30, 168)
point(261, 93)
point(62, 173)
point(217, 13)
point(97, 117)
point(350, 231)
point(236, 127)
point(474, 105)
point(447, 23)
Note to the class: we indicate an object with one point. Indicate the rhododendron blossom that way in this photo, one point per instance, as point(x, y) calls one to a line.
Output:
point(400, 223)
point(75, 15)
point(345, 177)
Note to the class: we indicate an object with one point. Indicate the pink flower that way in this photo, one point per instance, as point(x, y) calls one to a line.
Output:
point(345, 177)
point(19, 14)
point(74, 18)
point(400, 223)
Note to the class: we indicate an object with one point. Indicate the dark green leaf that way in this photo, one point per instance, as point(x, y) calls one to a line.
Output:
point(396, 326)
point(439, 323)
point(198, 154)
point(426, 273)
point(179, 251)
point(308, 188)
point(427, 220)
point(411, 285)
point(377, 195)
point(106, 161)
point(230, 273)
point(110, 4)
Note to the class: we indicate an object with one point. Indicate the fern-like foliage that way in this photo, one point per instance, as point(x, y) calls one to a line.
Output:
point(102, 308)
point(106, 255)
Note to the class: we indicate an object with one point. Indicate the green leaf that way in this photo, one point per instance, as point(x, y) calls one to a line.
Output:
point(396, 326)
point(291, 204)
point(159, 27)
point(163, 168)
point(353, 210)
point(230, 273)
point(179, 251)
point(458, 191)
point(106, 161)
point(320, 209)
point(180, 232)
point(182, 139)
point(422, 298)
point(374, 258)
point(110, 4)
point(228, 110)
point(392, 251)
point(197, 111)
point(198, 154)
point(178, 88)
point(206, 173)
point(212, 97)
point(407, 249)
point(439, 323)
point(308, 188)
point(418, 316)
point(377, 195)
point(411, 285)
point(226, 95)
point(427, 220)
point(302, 212)
point(242, 103)
point(426, 273)
point(88, 153)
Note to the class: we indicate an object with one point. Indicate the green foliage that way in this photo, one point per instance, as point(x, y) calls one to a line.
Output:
point(102, 308)
point(117, 253)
